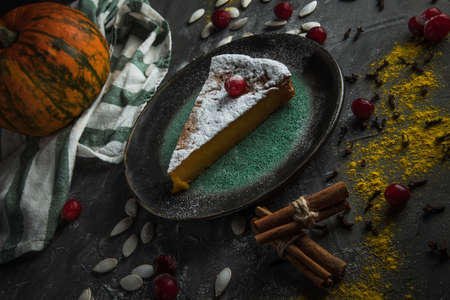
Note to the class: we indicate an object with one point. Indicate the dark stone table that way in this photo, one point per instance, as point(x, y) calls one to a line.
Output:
point(203, 248)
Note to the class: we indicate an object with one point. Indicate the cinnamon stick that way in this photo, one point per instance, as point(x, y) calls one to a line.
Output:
point(296, 257)
point(314, 251)
point(292, 228)
point(322, 200)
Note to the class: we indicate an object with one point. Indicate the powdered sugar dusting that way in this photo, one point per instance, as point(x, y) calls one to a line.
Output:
point(214, 109)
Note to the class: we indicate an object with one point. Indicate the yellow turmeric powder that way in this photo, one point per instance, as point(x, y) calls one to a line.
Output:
point(405, 150)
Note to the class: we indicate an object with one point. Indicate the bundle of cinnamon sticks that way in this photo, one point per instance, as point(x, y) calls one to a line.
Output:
point(278, 229)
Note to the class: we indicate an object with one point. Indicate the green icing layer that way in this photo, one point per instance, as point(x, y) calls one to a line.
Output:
point(259, 153)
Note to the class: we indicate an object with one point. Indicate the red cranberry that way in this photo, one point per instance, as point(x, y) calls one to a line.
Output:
point(283, 10)
point(165, 264)
point(221, 18)
point(437, 28)
point(165, 287)
point(362, 108)
point(71, 210)
point(317, 34)
point(235, 85)
point(430, 13)
point(416, 25)
point(397, 194)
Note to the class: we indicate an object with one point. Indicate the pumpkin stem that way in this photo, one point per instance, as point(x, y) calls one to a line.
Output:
point(7, 37)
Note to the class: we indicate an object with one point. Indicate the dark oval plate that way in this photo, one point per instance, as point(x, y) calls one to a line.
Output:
point(260, 163)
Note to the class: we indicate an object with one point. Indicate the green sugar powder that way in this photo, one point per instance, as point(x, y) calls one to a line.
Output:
point(263, 150)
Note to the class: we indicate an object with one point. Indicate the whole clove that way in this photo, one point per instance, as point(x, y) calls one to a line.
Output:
point(348, 148)
point(359, 30)
point(352, 78)
point(380, 4)
point(331, 176)
point(433, 209)
point(370, 200)
point(375, 98)
point(347, 34)
point(344, 222)
point(442, 138)
point(378, 82)
point(395, 115)
point(423, 91)
point(362, 163)
point(415, 184)
point(431, 123)
point(370, 76)
point(433, 245)
point(382, 66)
point(428, 58)
point(370, 227)
point(415, 67)
point(391, 102)
point(342, 132)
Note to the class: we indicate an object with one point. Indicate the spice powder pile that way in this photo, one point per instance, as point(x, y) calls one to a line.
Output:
point(414, 139)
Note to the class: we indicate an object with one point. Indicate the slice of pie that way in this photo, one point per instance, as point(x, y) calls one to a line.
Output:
point(218, 121)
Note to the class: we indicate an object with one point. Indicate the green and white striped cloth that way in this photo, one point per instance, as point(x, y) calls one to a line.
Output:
point(35, 173)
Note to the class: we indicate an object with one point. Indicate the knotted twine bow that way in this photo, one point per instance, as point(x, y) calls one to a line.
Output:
point(303, 215)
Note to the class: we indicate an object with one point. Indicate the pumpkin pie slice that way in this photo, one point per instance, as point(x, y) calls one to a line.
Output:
point(218, 121)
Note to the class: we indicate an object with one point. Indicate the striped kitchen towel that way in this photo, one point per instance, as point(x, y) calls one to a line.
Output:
point(35, 172)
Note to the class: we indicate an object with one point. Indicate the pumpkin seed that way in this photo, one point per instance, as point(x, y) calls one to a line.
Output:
point(196, 15)
point(144, 271)
point(234, 12)
point(122, 226)
point(86, 295)
point(307, 9)
point(245, 3)
point(275, 24)
point(130, 245)
point(219, 3)
point(307, 26)
point(303, 34)
point(105, 265)
point(222, 281)
point(238, 24)
point(238, 225)
point(207, 30)
point(247, 34)
point(224, 41)
point(293, 31)
point(131, 207)
point(147, 233)
point(131, 282)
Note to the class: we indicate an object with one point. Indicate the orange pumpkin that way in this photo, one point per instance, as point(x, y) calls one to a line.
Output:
point(53, 64)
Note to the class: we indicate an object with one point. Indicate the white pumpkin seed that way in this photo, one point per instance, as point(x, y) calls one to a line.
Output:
point(196, 15)
point(222, 281)
point(224, 41)
point(105, 265)
point(131, 207)
point(238, 24)
point(246, 34)
point(245, 3)
point(207, 30)
point(219, 3)
point(238, 225)
point(293, 31)
point(147, 233)
point(275, 24)
point(307, 9)
point(122, 226)
point(130, 245)
point(307, 26)
point(86, 295)
point(234, 12)
point(265, 1)
point(144, 271)
point(303, 34)
point(131, 282)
